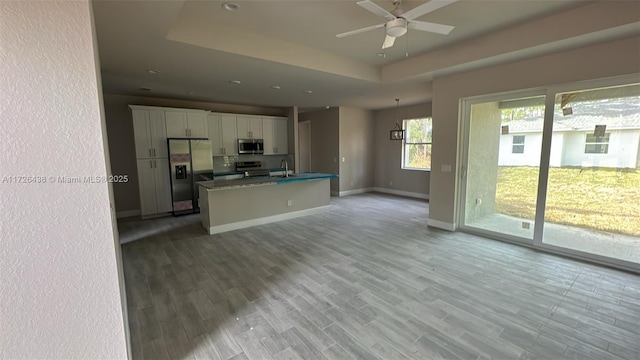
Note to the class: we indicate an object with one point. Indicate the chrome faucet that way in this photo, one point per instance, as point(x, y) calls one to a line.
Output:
point(286, 167)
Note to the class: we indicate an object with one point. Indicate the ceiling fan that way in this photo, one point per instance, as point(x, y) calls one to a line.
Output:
point(398, 21)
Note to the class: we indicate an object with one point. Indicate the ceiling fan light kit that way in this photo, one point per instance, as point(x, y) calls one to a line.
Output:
point(398, 21)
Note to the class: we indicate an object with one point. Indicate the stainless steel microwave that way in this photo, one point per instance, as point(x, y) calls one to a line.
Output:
point(250, 146)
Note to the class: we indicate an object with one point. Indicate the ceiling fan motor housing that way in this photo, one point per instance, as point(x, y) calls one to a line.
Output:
point(396, 27)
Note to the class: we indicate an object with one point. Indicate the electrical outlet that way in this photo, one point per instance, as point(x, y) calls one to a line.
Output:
point(343, 159)
point(289, 202)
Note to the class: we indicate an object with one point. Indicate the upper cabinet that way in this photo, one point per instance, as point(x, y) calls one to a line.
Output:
point(149, 133)
point(222, 133)
point(186, 124)
point(249, 127)
point(275, 135)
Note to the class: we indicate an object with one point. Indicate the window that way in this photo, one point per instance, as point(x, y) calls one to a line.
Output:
point(596, 144)
point(517, 146)
point(416, 149)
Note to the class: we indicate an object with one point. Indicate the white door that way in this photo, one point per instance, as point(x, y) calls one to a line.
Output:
point(146, 184)
point(255, 127)
point(176, 124)
point(141, 134)
point(215, 136)
point(281, 130)
point(197, 125)
point(242, 124)
point(163, 185)
point(229, 135)
point(269, 136)
point(158, 131)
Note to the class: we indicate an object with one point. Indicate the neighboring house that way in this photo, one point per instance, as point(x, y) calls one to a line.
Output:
point(573, 141)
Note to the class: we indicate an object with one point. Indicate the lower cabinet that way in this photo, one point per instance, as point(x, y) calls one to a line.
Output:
point(155, 186)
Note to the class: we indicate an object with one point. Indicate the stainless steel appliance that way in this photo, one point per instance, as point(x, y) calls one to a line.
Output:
point(250, 146)
point(190, 162)
point(251, 169)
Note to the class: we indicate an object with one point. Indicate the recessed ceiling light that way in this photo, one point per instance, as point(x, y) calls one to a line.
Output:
point(145, 89)
point(308, 92)
point(154, 72)
point(275, 87)
point(236, 82)
point(230, 6)
point(381, 54)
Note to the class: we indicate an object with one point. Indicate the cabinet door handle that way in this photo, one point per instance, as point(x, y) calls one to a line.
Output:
point(150, 152)
point(150, 164)
point(155, 164)
point(154, 151)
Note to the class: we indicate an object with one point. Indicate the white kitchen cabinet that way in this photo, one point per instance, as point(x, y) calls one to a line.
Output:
point(275, 135)
point(154, 186)
point(222, 133)
point(186, 124)
point(249, 127)
point(149, 134)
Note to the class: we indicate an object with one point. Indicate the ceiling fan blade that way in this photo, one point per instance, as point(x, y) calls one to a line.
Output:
point(426, 8)
point(376, 9)
point(431, 27)
point(349, 33)
point(388, 42)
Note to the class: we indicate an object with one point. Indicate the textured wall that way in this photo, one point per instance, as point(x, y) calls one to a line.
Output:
point(60, 294)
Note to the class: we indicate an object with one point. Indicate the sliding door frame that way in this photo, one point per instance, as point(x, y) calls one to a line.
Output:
point(543, 172)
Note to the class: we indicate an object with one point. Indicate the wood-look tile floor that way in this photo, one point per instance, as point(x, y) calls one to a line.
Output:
point(369, 280)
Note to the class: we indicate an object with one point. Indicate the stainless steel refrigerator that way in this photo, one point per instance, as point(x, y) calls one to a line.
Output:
point(190, 161)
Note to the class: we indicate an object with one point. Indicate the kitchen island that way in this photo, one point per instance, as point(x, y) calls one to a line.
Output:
point(227, 205)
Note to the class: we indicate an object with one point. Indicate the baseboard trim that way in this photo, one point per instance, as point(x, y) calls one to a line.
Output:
point(441, 225)
point(335, 193)
point(266, 220)
point(128, 213)
point(355, 191)
point(401, 193)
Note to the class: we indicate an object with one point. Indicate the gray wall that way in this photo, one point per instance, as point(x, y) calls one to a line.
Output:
point(357, 144)
point(122, 146)
point(388, 153)
point(61, 295)
point(325, 145)
point(620, 57)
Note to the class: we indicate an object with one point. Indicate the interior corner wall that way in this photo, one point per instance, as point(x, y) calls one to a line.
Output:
point(357, 142)
point(122, 145)
point(607, 59)
point(60, 291)
point(325, 142)
point(388, 153)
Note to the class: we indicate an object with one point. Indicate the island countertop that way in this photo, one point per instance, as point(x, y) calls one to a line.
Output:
point(262, 181)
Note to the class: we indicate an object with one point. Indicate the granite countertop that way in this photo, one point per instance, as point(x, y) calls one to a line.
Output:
point(261, 181)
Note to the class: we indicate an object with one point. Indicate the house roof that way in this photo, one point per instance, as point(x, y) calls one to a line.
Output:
point(622, 113)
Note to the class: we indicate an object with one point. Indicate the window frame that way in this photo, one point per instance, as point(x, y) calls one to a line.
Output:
point(519, 145)
point(597, 144)
point(405, 143)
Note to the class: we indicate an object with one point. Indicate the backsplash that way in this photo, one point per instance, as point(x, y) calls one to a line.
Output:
point(223, 164)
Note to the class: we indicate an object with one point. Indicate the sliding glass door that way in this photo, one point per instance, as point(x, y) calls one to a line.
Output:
point(593, 187)
point(504, 140)
point(556, 168)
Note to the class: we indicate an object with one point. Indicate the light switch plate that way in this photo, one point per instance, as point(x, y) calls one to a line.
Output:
point(445, 167)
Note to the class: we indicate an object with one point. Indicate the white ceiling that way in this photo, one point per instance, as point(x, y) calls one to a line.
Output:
point(198, 47)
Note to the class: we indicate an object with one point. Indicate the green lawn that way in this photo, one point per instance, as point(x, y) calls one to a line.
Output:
point(602, 199)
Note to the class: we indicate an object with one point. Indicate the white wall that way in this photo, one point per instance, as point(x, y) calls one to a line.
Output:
point(567, 149)
point(60, 290)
